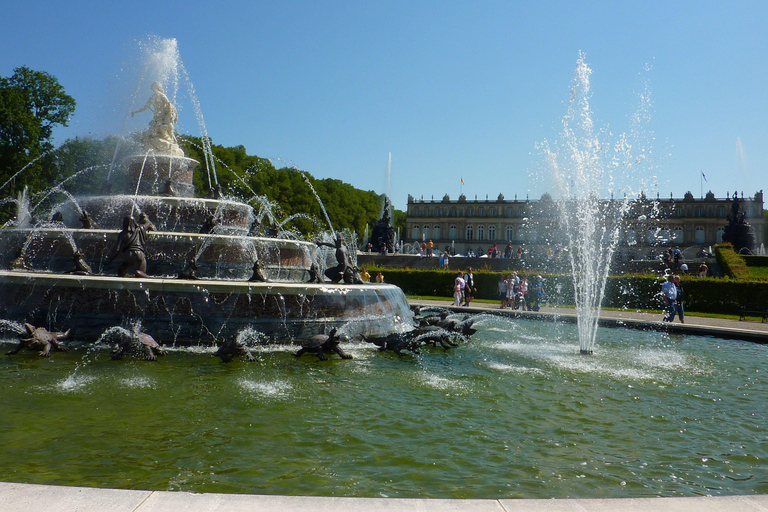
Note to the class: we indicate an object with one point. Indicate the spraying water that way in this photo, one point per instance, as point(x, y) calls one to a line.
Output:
point(584, 165)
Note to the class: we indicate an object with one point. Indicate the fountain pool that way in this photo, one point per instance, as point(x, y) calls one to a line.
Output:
point(514, 413)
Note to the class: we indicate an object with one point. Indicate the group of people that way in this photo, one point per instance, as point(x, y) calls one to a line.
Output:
point(464, 288)
point(673, 295)
point(515, 292)
point(366, 277)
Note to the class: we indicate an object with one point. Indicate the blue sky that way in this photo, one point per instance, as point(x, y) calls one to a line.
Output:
point(451, 89)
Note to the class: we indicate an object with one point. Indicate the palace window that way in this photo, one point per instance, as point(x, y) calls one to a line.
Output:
point(480, 233)
point(469, 212)
point(481, 212)
point(720, 232)
point(452, 232)
point(491, 212)
point(436, 232)
point(510, 232)
point(426, 233)
point(470, 233)
point(416, 232)
point(699, 235)
point(491, 232)
point(679, 235)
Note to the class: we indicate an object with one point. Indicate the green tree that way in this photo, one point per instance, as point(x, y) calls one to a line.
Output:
point(32, 103)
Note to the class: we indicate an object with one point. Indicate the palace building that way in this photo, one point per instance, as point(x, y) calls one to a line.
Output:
point(464, 224)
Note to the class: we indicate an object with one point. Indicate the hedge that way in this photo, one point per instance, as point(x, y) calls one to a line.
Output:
point(756, 261)
point(705, 295)
point(731, 263)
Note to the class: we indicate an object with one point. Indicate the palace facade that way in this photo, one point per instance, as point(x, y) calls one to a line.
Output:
point(465, 224)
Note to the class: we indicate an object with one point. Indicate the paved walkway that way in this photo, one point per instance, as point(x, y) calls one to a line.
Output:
point(44, 498)
point(696, 325)
point(16, 497)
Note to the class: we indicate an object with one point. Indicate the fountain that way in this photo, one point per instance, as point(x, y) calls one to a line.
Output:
point(192, 270)
point(517, 413)
point(582, 168)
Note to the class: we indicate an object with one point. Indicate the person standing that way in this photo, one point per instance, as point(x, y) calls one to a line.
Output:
point(458, 288)
point(524, 294)
point(469, 289)
point(679, 300)
point(538, 292)
point(669, 294)
point(430, 246)
point(445, 259)
point(502, 291)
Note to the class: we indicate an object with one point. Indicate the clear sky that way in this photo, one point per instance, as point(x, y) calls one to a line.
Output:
point(451, 89)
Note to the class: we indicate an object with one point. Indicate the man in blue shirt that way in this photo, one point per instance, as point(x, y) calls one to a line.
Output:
point(669, 294)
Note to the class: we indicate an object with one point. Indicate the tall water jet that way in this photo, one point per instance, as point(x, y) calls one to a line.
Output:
point(584, 165)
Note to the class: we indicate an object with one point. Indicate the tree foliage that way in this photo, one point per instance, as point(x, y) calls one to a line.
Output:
point(32, 103)
point(294, 192)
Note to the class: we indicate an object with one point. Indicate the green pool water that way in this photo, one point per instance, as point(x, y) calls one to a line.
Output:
point(514, 413)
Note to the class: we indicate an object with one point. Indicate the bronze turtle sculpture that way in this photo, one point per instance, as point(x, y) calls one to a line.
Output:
point(321, 343)
point(136, 342)
point(233, 348)
point(40, 338)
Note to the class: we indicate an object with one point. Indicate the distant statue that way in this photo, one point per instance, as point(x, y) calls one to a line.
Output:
point(81, 266)
point(190, 271)
point(208, 226)
point(131, 247)
point(314, 274)
point(258, 276)
point(216, 192)
point(383, 235)
point(87, 221)
point(160, 135)
point(18, 263)
point(344, 270)
point(169, 190)
point(737, 230)
point(145, 223)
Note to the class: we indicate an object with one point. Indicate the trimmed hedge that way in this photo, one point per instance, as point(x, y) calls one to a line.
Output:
point(705, 295)
point(731, 263)
point(756, 261)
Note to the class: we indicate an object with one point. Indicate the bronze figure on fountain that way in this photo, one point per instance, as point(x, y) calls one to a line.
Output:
point(131, 246)
point(344, 270)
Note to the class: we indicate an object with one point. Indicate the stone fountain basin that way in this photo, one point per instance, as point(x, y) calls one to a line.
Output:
point(195, 312)
point(217, 256)
point(182, 214)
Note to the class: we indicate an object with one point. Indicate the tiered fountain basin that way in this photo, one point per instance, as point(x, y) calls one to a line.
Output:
point(191, 312)
point(217, 256)
point(214, 301)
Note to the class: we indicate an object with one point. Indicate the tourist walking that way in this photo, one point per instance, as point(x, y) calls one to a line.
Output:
point(502, 291)
point(679, 300)
point(538, 293)
point(458, 288)
point(469, 289)
point(669, 294)
point(524, 294)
